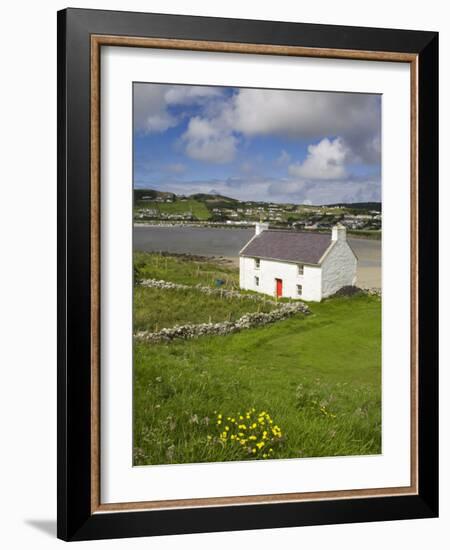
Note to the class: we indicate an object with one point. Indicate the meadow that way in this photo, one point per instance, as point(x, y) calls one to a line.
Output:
point(186, 270)
point(155, 309)
point(307, 386)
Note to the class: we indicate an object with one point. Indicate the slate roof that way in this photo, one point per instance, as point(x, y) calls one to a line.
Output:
point(291, 246)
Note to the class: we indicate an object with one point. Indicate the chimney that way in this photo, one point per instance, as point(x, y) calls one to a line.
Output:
point(339, 233)
point(260, 227)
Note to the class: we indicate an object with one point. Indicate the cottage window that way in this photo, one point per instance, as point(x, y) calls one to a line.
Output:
point(300, 269)
point(299, 290)
point(256, 281)
point(257, 263)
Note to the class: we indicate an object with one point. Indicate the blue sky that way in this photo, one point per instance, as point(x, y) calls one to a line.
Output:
point(258, 144)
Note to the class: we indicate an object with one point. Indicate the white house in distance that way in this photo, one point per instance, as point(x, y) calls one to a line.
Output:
point(295, 264)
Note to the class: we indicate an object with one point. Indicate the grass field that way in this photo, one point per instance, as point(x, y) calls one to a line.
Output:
point(186, 270)
point(155, 309)
point(316, 378)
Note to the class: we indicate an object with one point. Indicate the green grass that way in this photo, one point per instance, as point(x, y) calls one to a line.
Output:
point(185, 270)
point(155, 309)
point(197, 208)
point(318, 376)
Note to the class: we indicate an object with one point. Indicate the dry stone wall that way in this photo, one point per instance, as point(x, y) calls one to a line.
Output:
point(283, 310)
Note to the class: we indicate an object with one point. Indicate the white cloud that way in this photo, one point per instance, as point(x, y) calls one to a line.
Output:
point(297, 115)
point(325, 191)
point(150, 113)
point(176, 168)
point(325, 161)
point(213, 135)
point(186, 95)
point(205, 140)
point(283, 158)
point(308, 115)
point(303, 113)
point(290, 191)
point(151, 102)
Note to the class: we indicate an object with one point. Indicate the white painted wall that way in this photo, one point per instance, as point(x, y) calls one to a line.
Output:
point(269, 270)
point(338, 268)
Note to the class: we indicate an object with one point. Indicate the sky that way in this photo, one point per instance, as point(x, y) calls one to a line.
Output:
point(258, 144)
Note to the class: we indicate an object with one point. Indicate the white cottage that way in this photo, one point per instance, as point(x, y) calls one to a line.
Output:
point(295, 264)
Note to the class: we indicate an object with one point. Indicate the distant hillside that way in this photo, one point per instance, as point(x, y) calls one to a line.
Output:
point(151, 205)
point(151, 194)
point(214, 198)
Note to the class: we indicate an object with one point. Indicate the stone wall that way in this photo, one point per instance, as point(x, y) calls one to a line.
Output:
point(283, 310)
point(372, 291)
point(223, 293)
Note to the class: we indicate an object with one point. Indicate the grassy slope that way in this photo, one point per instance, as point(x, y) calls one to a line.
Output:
point(185, 270)
point(155, 309)
point(319, 377)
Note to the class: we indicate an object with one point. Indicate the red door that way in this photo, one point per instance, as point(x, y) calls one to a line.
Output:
point(279, 287)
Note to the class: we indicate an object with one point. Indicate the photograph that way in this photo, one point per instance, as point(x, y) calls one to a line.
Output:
point(221, 288)
point(257, 298)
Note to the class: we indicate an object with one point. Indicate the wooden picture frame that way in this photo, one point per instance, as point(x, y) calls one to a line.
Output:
point(81, 35)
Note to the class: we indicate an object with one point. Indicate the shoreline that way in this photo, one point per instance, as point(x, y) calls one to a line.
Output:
point(374, 237)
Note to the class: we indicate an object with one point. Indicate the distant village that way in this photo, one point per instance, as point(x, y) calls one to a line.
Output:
point(207, 209)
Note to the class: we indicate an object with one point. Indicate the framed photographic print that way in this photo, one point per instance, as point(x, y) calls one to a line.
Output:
point(247, 274)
